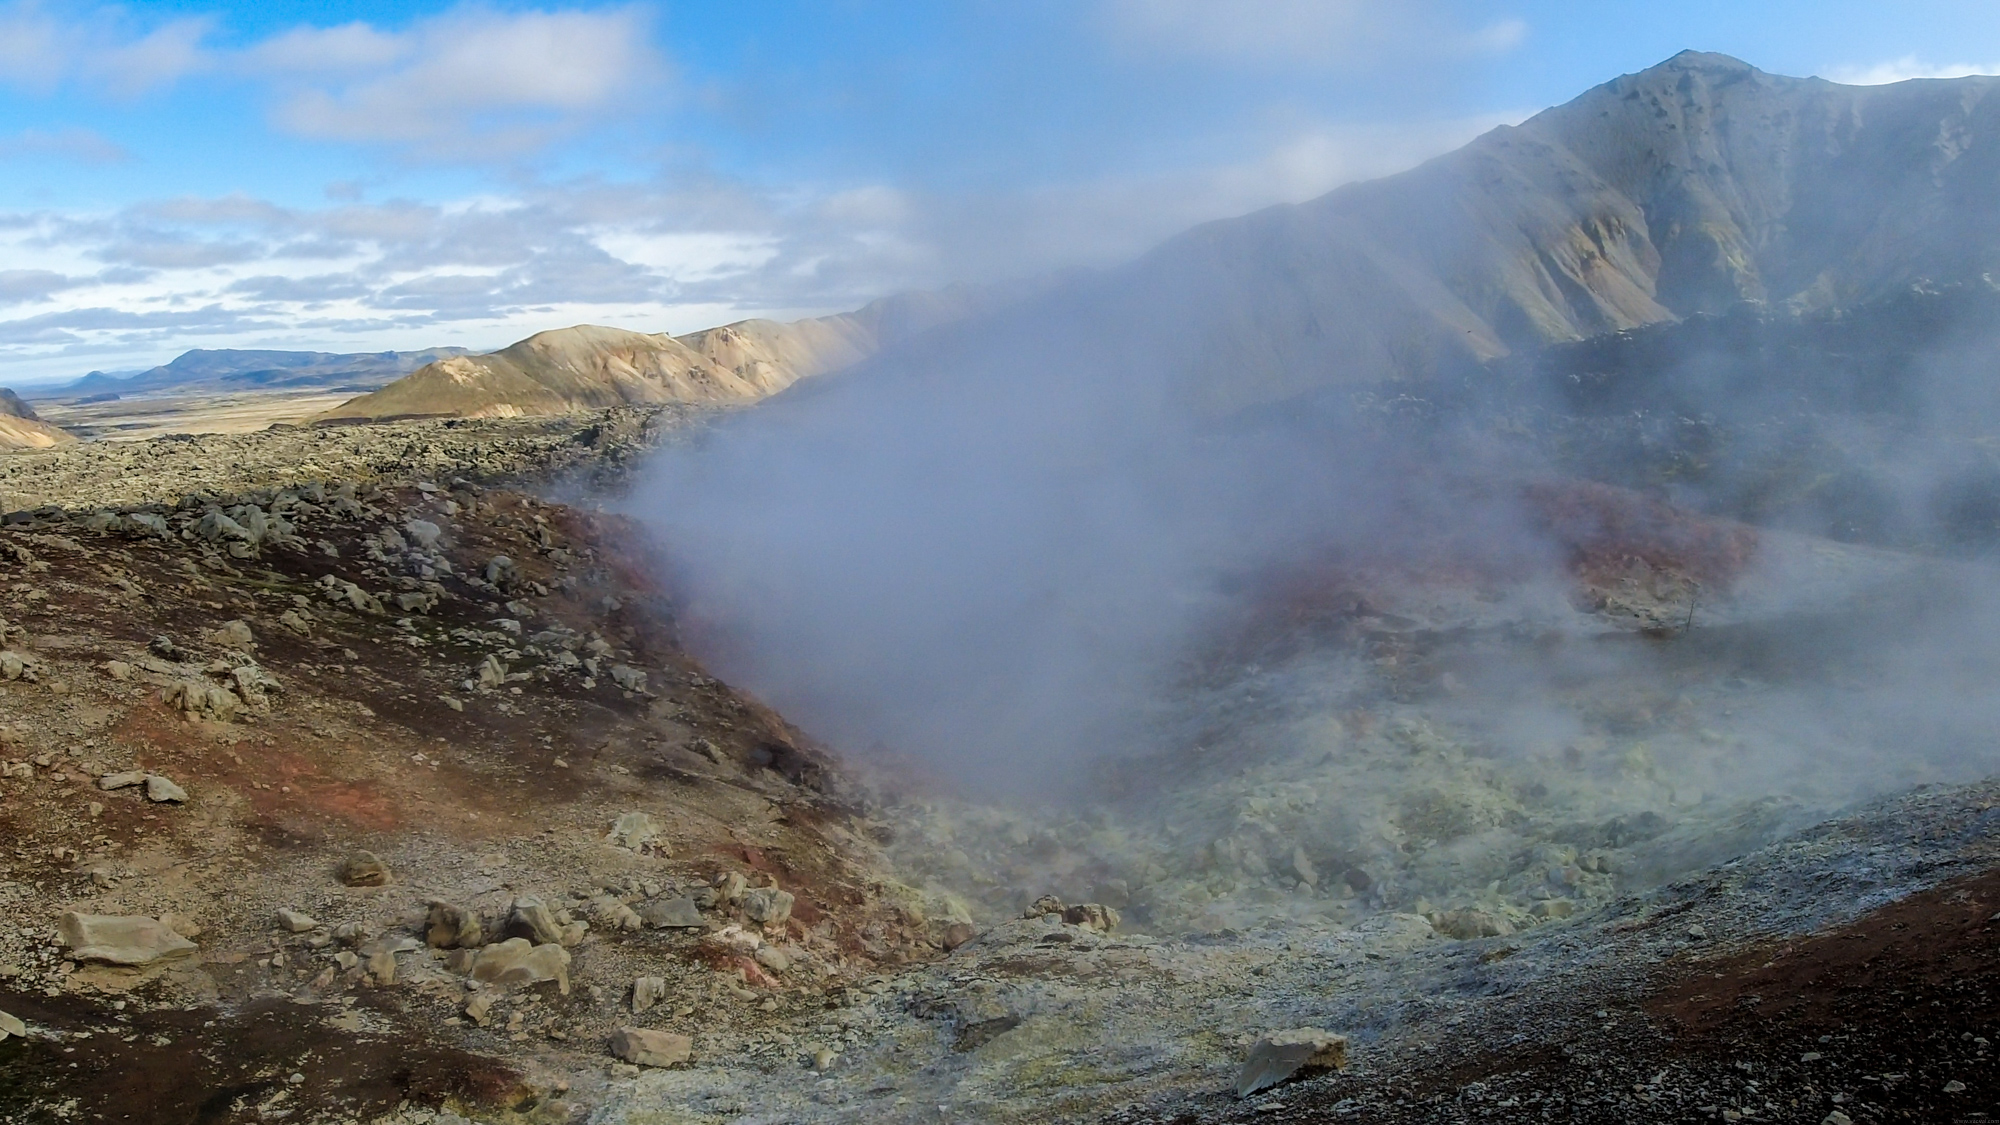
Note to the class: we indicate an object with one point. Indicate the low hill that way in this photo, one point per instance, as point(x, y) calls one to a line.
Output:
point(590, 367)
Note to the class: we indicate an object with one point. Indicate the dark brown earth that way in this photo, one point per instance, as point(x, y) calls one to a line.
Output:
point(1872, 1019)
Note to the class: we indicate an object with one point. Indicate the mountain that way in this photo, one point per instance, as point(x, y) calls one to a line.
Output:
point(221, 369)
point(591, 367)
point(20, 428)
point(1686, 188)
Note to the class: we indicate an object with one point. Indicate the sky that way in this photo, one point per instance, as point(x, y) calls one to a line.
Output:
point(373, 175)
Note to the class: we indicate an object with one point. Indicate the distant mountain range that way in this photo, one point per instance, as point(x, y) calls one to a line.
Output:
point(232, 369)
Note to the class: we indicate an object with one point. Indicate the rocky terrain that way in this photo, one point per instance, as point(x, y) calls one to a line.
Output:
point(285, 724)
point(1558, 757)
point(353, 774)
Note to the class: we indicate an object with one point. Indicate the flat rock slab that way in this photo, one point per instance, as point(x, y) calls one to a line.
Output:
point(644, 1047)
point(672, 913)
point(120, 940)
point(1276, 1057)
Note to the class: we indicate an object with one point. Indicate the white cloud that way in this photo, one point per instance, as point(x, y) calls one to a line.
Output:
point(134, 286)
point(103, 50)
point(469, 79)
point(1904, 69)
point(1314, 31)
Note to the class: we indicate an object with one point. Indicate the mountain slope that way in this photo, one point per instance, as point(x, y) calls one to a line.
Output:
point(1685, 188)
point(590, 366)
point(20, 428)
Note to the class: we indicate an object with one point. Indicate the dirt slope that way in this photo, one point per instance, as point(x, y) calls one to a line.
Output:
point(20, 428)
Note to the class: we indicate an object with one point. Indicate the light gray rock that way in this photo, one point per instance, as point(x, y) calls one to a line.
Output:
point(124, 780)
point(423, 533)
point(671, 914)
point(1276, 1057)
point(767, 905)
point(234, 634)
point(12, 1025)
point(491, 672)
point(120, 940)
point(294, 922)
point(628, 677)
point(646, 992)
point(633, 830)
point(162, 790)
point(532, 919)
point(645, 1047)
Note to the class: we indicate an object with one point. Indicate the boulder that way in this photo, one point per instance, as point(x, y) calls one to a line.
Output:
point(1092, 916)
point(1043, 906)
point(235, 635)
point(518, 961)
point(1471, 923)
point(646, 992)
point(163, 791)
point(291, 921)
point(767, 905)
point(364, 869)
point(453, 927)
point(1276, 1057)
point(671, 913)
point(120, 940)
point(122, 780)
point(12, 1025)
point(633, 830)
point(644, 1047)
point(533, 920)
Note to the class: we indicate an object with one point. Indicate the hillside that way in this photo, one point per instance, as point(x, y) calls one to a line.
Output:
point(20, 428)
point(590, 367)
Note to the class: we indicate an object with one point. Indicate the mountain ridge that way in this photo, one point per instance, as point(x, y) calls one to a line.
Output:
point(586, 366)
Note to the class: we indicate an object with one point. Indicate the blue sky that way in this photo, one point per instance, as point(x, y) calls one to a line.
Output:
point(375, 175)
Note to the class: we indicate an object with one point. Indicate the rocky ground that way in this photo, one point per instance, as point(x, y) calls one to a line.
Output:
point(382, 742)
